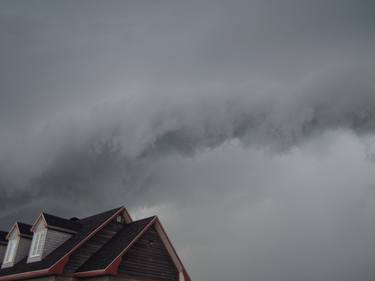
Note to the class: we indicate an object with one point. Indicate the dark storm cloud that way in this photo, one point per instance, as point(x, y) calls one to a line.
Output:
point(117, 143)
point(110, 103)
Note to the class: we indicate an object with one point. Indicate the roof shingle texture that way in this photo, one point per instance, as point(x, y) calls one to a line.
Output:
point(109, 251)
point(25, 229)
point(57, 222)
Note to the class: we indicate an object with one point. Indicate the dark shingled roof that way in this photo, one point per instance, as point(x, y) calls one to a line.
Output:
point(102, 258)
point(3, 234)
point(25, 229)
point(89, 224)
point(57, 222)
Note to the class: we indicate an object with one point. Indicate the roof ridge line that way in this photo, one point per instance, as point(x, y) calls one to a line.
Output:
point(112, 210)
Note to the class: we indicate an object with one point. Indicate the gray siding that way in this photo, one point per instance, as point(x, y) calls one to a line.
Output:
point(149, 258)
point(23, 249)
point(3, 248)
point(53, 240)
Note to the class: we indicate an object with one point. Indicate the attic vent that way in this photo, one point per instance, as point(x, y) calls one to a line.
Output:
point(74, 219)
point(119, 219)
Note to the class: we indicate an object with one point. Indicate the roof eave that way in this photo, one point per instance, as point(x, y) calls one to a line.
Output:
point(91, 273)
point(25, 275)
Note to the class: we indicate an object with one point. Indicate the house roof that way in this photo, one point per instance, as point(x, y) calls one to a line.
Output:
point(89, 225)
point(3, 234)
point(94, 230)
point(61, 223)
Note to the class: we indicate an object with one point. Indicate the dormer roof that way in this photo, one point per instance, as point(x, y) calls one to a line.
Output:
point(23, 230)
point(58, 223)
point(61, 223)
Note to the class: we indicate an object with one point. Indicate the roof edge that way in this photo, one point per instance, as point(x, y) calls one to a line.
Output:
point(186, 275)
point(24, 275)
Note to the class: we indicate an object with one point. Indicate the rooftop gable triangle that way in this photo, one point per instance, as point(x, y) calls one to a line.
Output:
point(95, 268)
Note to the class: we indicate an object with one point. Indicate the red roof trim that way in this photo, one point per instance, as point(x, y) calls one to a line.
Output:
point(90, 273)
point(25, 275)
point(186, 275)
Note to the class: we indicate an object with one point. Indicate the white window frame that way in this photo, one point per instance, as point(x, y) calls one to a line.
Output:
point(11, 250)
point(37, 243)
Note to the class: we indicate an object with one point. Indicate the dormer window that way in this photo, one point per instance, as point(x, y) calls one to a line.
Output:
point(49, 233)
point(11, 251)
point(19, 238)
point(37, 244)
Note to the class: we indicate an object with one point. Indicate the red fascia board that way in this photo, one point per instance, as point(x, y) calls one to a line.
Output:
point(112, 268)
point(186, 275)
point(25, 275)
point(90, 273)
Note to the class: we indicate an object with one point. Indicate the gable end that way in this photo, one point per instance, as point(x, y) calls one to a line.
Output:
point(149, 258)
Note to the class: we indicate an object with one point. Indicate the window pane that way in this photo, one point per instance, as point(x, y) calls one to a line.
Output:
point(38, 243)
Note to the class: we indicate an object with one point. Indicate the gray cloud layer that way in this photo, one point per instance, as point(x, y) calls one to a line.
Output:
point(117, 140)
point(200, 106)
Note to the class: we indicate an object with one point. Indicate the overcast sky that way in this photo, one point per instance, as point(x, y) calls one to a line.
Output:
point(247, 126)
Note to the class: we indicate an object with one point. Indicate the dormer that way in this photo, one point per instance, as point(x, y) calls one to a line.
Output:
point(3, 244)
point(49, 232)
point(19, 238)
